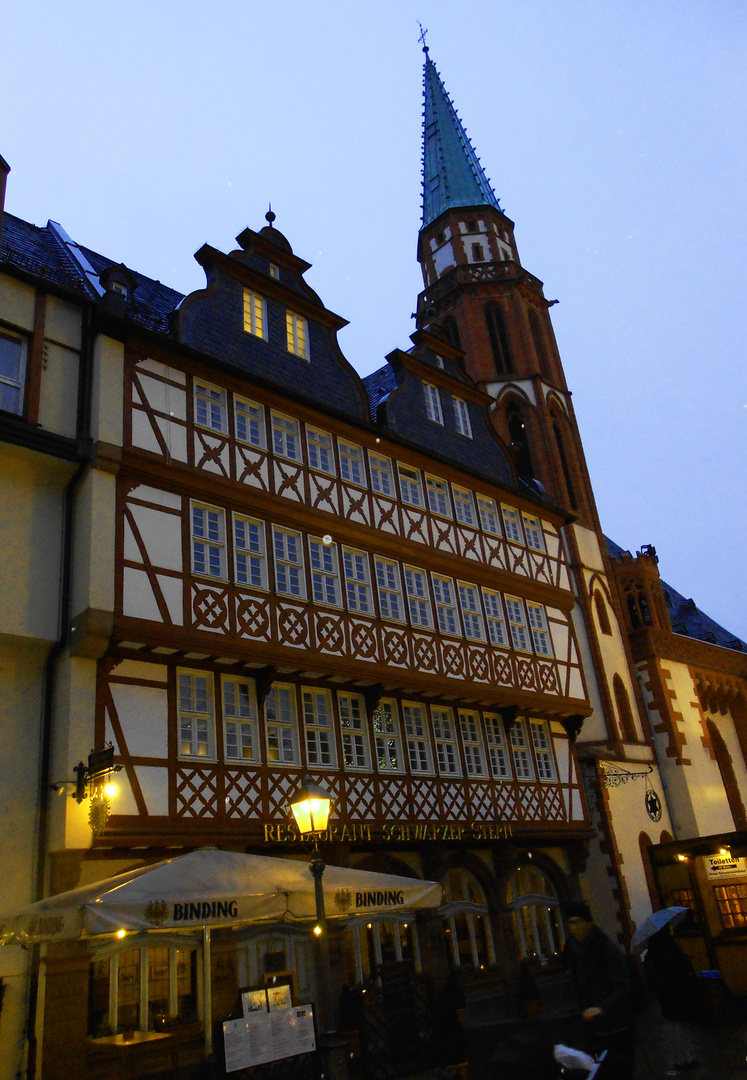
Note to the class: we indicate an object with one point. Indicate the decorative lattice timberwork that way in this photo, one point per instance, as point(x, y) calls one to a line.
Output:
point(478, 663)
point(548, 678)
point(243, 795)
point(453, 802)
point(444, 536)
point(396, 650)
point(288, 480)
point(531, 802)
point(196, 793)
point(329, 631)
point(355, 505)
point(323, 493)
point(425, 656)
point(554, 805)
point(386, 515)
point(253, 617)
point(395, 798)
point(481, 802)
point(364, 640)
point(424, 801)
point(526, 673)
point(281, 787)
point(505, 801)
point(252, 468)
point(292, 625)
point(452, 656)
point(415, 525)
point(503, 669)
point(212, 453)
point(210, 609)
point(361, 798)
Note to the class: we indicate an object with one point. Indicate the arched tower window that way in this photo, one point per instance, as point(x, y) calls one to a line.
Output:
point(637, 602)
point(602, 616)
point(560, 443)
point(627, 725)
point(520, 442)
point(534, 904)
point(451, 331)
point(539, 344)
point(728, 776)
point(496, 323)
point(465, 918)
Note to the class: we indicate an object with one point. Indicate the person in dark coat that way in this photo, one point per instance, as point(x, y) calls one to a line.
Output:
point(602, 978)
point(670, 977)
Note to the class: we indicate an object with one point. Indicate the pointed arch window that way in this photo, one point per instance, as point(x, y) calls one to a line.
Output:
point(498, 336)
point(602, 615)
point(519, 441)
point(627, 724)
point(539, 344)
point(451, 332)
point(560, 443)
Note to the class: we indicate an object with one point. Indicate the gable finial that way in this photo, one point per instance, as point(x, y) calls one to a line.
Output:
point(269, 216)
point(421, 39)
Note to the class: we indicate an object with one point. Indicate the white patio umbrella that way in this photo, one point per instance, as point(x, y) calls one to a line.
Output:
point(654, 923)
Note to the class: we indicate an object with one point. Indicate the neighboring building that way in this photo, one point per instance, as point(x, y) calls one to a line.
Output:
point(240, 563)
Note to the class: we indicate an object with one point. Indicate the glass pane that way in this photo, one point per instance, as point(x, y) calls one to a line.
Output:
point(158, 988)
point(128, 990)
point(386, 938)
point(186, 984)
point(480, 923)
point(98, 997)
point(464, 945)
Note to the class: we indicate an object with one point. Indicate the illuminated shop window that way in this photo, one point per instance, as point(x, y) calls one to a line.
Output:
point(535, 908)
point(146, 989)
point(465, 921)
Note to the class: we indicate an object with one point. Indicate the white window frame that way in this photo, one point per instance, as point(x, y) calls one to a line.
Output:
point(464, 506)
point(389, 589)
point(533, 532)
point(512, 524)
point(255, 314)
point(520, 751)
point(211, 402)
point(542, 746)
point(195, 725)
point(469, 600)
point(433, 403)
point(488, 513)
point(438, 496)
point(418, 597)
point(495, 618)
point(352, 468)
point(319, 728)
point(357, 571)
point(208, 540)
point(387, 737)
point(240, 719)
point(445, 599)
point(445, 740)
point(356, 752)
point(498, 752)
point(15, 384)
point(472, 744)
point(286, 436)
point(382, 474)
point(517, 624)
point(461, 417)
point(281, 725)
point(297, 335)
point(287, 550)
point(249, 552)
point(539, 628)
point(324, 569)
point(320, 453)
point(418, 743)
point(410, 485)
point(250, 416)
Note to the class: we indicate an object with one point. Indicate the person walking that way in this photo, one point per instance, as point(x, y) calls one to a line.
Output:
point(682, 999)
point(602, 978)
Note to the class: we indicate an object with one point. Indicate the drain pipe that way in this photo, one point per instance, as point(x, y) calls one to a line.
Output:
point(85, 448)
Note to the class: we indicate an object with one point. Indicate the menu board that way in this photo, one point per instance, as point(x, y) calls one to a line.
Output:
point(271, 1028)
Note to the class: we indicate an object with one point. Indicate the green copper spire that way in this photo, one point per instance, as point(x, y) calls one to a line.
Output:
point(452, 173)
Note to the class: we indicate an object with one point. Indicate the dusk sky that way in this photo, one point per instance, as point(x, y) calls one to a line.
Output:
point(614, 135)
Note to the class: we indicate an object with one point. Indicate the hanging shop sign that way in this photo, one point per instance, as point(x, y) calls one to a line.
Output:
point(392, 832)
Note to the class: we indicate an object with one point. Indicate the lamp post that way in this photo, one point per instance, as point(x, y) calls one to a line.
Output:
point(311, 808)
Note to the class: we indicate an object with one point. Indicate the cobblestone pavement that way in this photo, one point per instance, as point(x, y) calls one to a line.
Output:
point(720, 1047)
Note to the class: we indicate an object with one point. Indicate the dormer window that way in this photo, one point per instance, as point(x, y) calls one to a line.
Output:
point(297, 333)
point(433, 403)
point(274, 271)
point(119, 287)
point(255, 314)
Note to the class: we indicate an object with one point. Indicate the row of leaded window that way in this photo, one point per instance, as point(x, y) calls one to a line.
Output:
point(398, 737)
point(339, 576)
point(335, 457)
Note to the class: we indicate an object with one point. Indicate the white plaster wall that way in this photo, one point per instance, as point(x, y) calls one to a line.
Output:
point(17, 302)
point(588, 548)
point(614, 660)
point(594, 728)
point(443, 258)
point(93, 557)
point(107, 397)
point(58, 397)
point(725, 724)
point(73, 740)
point(63, 322)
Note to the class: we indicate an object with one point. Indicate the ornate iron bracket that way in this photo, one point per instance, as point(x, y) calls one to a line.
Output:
point(614, 775)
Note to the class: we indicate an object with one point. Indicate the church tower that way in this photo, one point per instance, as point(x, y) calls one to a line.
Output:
point(484, 302)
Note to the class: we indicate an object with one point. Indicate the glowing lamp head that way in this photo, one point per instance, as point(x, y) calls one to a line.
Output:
point(110, 790)
point(682, 858)
point(318, 930)
point(311, 807)
point(121, 933)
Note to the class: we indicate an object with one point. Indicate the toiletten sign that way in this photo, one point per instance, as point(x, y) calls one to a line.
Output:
point(725, 866)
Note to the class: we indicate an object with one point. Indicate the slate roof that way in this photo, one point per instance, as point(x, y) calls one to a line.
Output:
point(452, 173)
point(378, 385)
point(686, 617)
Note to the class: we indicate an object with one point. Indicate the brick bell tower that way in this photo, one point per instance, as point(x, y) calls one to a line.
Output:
point(483, 301)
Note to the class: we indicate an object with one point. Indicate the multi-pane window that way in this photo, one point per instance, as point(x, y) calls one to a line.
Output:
point(386, 736)
point(464, 507)
point(286, 547)
point(240, 720)
point(409, 485)
point(320, 453)
point(250, 422)
point(494, 616)
point(438, 496)
point(210, 407)
point(461, 416)
point(433, 403)
point(488, 515)
point(533, 902)
point(250, 556)
point(286, 441)
point(381, 474)
point(533, 532)
point(497, 749)
point(517, 623)
point(418, 600)
point(208, 541)
point(520, 751)
point(542, 750)
point(351, 463)
point(390, 590)
point(471, 613)
point(512, 524)
point(195, 714)
point(416, 734)
point(466, 922)
point(317, 718)
point(325, 576)
point(255, 314)
point(357, 581)
point(446, 609)
point(444, 735)
point(281, 725)
point(12, 371)
point(297, 335)
point(538, 624)
point(474, 754)
point(352, 709)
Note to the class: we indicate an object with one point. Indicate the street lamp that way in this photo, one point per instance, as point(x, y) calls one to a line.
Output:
point(311, 808)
